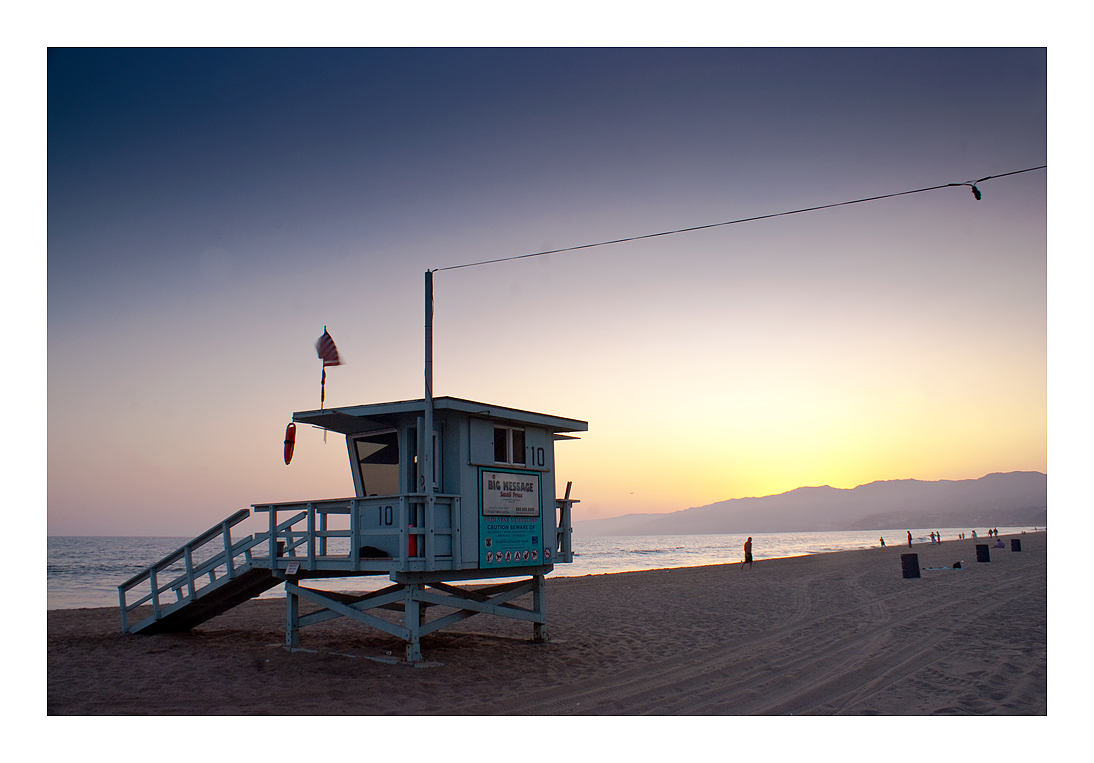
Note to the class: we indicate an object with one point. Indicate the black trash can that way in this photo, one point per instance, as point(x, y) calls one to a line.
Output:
point(1015, 544)
point(982, 552)
point(909, 565)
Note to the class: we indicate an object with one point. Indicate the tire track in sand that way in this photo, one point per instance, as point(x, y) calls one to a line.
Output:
point(906, 662)
point(859, 663)
point(796, 667)
point(604, 691)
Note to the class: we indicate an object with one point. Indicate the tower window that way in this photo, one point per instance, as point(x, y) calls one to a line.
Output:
point(509, 445)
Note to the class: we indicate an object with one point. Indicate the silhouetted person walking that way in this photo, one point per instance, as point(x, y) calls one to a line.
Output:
point(909, 539)
point(748, 554)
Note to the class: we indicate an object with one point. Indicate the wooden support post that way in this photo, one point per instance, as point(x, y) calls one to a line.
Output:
point(539, 606)
point(190, 571)
point(311, 534)
point(292, 616)
point(124, 608)
point(426, 541)
point(155, 593)
point(229, 561)
point(273, 538)
point(412, 621)
point(457, 528)
point(354, 535)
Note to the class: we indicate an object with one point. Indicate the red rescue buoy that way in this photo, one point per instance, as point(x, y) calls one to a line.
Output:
point(290, 442)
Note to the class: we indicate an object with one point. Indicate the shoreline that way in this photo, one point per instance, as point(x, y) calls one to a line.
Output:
point(758, 558)
point(588, 561)
point(821, 634)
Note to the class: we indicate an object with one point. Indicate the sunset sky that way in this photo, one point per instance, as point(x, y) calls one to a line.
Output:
point(210, 211)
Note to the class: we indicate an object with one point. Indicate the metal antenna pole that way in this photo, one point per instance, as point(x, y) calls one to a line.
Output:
point(426, 456)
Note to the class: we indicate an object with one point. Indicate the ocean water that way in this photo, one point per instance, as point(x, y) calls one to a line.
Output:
point(86, 571)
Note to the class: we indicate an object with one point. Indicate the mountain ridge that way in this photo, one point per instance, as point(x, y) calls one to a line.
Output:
point(998, 498)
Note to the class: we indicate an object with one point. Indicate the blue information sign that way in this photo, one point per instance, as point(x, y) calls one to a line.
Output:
point(510, 518)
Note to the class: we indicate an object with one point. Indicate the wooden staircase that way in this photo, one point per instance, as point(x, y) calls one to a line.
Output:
point(201, 590)
point(228, 593)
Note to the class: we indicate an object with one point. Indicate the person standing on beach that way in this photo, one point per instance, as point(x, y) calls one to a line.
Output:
point(909, 539)
point(748, 554)
point(882, 539)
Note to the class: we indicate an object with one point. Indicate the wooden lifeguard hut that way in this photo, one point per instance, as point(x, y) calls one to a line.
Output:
point(447, 490)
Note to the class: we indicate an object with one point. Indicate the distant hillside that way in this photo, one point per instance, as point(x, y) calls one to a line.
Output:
point(1014, 498)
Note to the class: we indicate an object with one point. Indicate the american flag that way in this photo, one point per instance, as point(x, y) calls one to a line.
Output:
point(327, 351)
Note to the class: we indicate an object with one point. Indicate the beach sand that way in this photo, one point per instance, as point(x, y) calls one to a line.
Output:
point(838, 633)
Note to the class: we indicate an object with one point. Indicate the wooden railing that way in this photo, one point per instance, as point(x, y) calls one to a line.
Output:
point(188, 584)
point(286, 543)
point(283, 540)
point(564, 528)
point(412, 527)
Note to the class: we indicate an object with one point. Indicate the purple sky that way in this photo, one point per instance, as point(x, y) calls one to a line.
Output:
point(211, 210)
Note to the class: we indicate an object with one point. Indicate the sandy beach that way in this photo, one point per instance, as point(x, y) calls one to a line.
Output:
point(830, 634)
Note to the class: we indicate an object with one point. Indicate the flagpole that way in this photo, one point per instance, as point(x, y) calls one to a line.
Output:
point(328, 355)
point(323, 386)
point(323, 391)
point(323, 378)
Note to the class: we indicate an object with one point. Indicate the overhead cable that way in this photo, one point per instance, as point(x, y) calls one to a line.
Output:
point(972, 183)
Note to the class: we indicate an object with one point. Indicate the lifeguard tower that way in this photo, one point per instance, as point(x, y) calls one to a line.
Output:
point(447, 490)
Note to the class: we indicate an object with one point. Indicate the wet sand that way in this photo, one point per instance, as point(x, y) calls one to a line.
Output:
point(829, 634)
